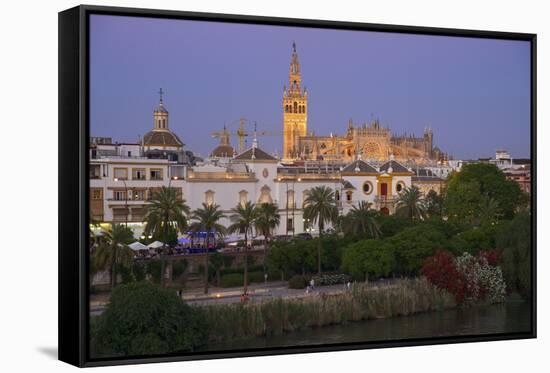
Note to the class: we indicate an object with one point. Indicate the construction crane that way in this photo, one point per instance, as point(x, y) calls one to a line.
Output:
point(241, 133)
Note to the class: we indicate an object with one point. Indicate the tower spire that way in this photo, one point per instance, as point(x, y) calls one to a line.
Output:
point(160, 115)
point(161, 93)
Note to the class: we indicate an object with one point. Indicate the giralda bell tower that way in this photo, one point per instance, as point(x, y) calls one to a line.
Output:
point(294, 110)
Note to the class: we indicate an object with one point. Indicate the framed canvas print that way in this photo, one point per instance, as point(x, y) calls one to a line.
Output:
point(236, 186)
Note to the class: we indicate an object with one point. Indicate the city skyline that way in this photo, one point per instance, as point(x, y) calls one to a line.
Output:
point(473, 93)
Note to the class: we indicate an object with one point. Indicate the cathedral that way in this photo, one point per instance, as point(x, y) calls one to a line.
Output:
point(369, 141)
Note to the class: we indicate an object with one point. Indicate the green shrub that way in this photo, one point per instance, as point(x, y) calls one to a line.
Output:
point(144, 319)
point(178, 268)
point(153, 269)
point(255, 277)
point(231, 280)
point(297, 282)
point(140, 271)
point(327, 279)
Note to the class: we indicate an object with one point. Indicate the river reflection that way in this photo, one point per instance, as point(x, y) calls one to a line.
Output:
point(509, 317)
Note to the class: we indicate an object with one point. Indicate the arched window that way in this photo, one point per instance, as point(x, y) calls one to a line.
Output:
point(290, 199)
point(304, 196)
point(209, 197)
point(349, 196)
point(295, 107)
point(286, 108)
point(164, 123)
point(265, 195)
point(243, 197)
point(337, 195)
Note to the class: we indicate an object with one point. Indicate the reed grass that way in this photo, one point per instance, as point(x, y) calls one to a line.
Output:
point(283, 315)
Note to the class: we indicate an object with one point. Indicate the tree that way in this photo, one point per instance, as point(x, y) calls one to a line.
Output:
point(362, 221)
point(206, 219)
point(165, 213)
point(413, 245)
point(390, 225)
point(374, 257)
point(114, 251)
point(411, 204)
point(434, 203)
point(267, 219)
point(514, 239)
point(243, 218)
point(466, 190)
point(489, 211)
point(144, 319)
point(320, 207)
point(277, 258)
point(219, 261)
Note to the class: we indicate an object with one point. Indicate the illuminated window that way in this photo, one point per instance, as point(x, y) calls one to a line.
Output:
point(243, 197)
point(209, 197)
point(97, 194)
point(290, 198)
point(265, 196)
point(139, 195)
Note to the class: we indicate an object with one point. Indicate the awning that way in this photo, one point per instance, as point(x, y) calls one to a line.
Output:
point(137, 246)
point(155, 245)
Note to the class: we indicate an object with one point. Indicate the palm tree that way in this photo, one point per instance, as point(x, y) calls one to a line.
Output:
point(489, 211)
point(267, 220)
point(411, 203)
point(206, 220)
point(219, 261)
point(362, 220)
point(114, 251)
point(165, 212)
point(320, 207)
point(243, 218)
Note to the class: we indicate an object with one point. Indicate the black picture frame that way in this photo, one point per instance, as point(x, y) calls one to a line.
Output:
point(73, 180)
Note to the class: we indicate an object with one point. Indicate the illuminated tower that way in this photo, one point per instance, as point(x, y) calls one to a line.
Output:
point(160, 116)
point(294, 110)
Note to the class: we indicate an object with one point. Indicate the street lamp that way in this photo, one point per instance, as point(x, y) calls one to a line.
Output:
point(170, 182)
point(294, 207)
point(125, 197)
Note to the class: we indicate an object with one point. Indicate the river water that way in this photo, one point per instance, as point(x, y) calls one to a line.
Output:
point(508, 317)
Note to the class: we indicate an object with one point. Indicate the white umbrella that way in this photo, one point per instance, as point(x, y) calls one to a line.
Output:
point(155, 245)
point(137, 246)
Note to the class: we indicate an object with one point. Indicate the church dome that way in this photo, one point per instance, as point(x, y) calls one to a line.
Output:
point(161, 109)
point(161, 138)
point(223, 151)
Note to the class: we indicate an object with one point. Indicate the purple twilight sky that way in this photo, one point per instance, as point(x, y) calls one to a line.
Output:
point(474, 93)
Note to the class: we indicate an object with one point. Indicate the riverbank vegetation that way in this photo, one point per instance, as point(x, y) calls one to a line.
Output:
point(283, 315)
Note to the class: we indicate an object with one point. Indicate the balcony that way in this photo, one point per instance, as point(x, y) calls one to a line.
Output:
point(385, 201)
